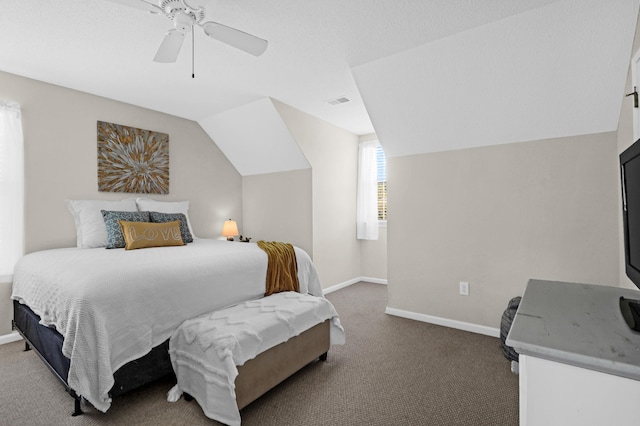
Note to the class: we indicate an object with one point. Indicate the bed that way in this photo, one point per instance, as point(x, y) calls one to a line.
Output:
point(101, 319)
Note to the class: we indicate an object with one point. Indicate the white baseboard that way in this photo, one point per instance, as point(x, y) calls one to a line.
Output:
point(460, 325)
point(353, 281)
point(11, 337)
point(374, 280)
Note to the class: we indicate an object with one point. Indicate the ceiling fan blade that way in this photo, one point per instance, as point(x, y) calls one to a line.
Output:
point(140, 4)
point(170, 47)
point(236, 38)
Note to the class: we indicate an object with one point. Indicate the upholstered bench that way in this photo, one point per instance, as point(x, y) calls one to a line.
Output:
point(228, 358)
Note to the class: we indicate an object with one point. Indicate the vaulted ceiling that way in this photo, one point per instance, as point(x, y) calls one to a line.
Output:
point(554, 71)
point(425, 75)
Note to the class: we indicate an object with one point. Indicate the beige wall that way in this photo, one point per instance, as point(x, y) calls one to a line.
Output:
point(373, 253)
point(332, 153)
point(60, 163)
point(625, 139)
point(497, 216)
point(278, 207)
point(6, 308)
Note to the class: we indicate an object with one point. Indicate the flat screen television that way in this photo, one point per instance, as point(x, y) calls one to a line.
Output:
point(630, 179)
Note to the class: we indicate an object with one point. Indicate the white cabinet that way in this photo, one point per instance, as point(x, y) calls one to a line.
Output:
point(553, 393)
point(579, 361)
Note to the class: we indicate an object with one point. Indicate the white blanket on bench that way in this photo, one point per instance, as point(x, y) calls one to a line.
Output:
point(212, 345)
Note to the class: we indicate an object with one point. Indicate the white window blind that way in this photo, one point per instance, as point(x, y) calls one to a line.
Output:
point(381, 164)
point(11, 188)
point(367, 195)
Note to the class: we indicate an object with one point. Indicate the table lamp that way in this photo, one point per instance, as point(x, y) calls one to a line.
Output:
point(229, 229)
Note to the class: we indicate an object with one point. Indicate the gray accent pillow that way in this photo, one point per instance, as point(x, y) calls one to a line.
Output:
point(115, 238)
point(170, 217)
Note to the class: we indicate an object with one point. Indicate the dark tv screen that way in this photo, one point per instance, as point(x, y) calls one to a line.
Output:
point(630, 175)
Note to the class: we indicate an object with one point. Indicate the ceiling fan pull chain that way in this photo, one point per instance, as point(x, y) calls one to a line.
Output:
point(193, 54)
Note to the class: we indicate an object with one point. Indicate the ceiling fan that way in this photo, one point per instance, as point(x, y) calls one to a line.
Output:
point(185, 17)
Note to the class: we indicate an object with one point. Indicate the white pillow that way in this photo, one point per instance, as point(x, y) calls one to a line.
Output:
point(91, 232)
point(149, 205)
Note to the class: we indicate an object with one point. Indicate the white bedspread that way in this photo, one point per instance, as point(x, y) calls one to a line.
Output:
point(114, 306)
point(206, 350)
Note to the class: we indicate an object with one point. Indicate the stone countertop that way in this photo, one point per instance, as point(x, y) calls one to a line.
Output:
point(577, 324)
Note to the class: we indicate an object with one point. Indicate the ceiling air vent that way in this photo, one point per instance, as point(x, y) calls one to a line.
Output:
point(338, 101)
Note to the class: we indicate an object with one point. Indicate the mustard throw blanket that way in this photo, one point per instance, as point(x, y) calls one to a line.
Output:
point(282, 267)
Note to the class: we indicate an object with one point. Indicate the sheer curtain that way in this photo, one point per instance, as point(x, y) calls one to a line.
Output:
point(367, 201)
point(11, 189)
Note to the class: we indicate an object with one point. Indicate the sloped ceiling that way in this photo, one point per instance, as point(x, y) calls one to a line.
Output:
point(252, 133)
point(554, 71)
point(424, 75)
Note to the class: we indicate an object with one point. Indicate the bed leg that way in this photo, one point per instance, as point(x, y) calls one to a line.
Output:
point(27, 347)
point(77, 408)
point(323, 357)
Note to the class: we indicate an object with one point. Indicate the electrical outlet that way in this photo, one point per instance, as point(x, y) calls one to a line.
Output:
point(464, 288)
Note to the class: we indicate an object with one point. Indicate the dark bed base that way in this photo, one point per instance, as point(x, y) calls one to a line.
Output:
point(47, 343)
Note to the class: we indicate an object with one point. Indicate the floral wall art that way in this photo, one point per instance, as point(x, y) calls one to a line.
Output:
point(132, 160)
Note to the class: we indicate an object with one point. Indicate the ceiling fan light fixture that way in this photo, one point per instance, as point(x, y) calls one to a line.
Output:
point(182, 21)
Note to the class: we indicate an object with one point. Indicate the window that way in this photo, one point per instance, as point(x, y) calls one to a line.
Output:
point(371, 206)
point(11, 188)
point(381, 165)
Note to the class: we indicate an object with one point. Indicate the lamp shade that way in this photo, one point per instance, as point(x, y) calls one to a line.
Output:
point(230, 228)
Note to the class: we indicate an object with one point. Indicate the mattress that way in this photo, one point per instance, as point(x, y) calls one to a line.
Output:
point(47, 343)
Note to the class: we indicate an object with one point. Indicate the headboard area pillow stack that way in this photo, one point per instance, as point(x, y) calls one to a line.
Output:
point(97, 221)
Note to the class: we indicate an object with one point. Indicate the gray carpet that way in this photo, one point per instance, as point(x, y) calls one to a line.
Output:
point(392, 371)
